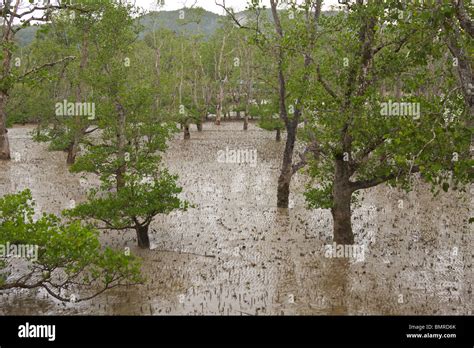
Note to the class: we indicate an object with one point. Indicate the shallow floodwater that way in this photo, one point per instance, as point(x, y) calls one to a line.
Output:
point(235, 253)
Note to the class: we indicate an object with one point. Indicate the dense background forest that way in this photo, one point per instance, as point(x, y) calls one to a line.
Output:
point(332, 103)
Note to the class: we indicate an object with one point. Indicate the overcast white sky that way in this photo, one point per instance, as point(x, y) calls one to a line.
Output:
point(209, 5)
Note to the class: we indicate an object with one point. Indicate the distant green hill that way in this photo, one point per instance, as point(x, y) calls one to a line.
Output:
point(196, 21)
point(26, 35)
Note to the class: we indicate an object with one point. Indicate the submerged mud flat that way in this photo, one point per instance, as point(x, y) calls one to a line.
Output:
point(235, 253)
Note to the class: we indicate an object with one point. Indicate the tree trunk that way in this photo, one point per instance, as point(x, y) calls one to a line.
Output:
point(220, 96)
point(120, 175)
point(72, 152)
point(278, 135)
point(79, 129)
point(187, 134)
point(4, 144)
point(142, 237)
point(341, 210)
point(283, 193)
point(7, 39)
point(246, 121)
point(121, 142)
point(465, 73)
point(218, 115)
point(286, 173)
point(466, 78)
point(286, 169)
point(157, 82)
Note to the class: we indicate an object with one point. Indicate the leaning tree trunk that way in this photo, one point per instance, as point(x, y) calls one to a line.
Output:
point(142, 236)
point(341, 210)
point(4, 144)
point(286, 173)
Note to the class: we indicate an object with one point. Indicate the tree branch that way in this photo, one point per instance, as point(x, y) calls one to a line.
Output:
point(36, 69)
point(325, 84)
point(364, 184)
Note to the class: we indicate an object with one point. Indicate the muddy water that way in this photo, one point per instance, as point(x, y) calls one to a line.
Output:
point(235, 253)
